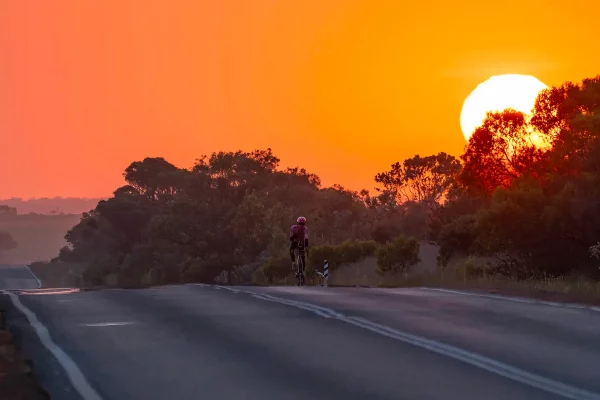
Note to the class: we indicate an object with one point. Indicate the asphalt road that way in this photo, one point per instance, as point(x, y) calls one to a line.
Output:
point(210, 342)
point(17, 277)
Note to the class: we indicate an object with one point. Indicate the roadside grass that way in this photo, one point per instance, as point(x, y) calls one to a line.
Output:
point(467, 275)
point(560, 289)
point(563, 289)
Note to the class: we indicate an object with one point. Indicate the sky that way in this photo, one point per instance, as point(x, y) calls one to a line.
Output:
point(344, 88)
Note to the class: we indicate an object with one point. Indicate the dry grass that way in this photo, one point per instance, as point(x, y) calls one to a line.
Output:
point(577, 290)
point(456, 276)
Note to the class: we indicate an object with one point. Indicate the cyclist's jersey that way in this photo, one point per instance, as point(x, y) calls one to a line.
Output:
point(299, 233)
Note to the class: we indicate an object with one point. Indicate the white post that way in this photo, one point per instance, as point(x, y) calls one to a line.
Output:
point(325, 272)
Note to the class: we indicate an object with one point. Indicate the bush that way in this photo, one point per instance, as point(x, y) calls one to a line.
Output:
point(243, 274)
point(397, 255)
point(276, 268)
point(223, 278)
point(471, 270)
point(346, 253)
point(458, 237)
point(595, 251)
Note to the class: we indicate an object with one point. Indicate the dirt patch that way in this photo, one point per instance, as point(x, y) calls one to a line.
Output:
point(16, 379)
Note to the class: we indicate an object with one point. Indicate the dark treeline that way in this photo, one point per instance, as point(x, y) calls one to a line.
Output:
point(525, 192)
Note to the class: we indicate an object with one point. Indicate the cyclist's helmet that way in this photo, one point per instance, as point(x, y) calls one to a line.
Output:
point(301, 220)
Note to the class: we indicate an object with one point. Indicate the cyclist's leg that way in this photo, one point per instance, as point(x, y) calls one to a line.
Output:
point(293, 245)
point(302, 269)
point(303, 257)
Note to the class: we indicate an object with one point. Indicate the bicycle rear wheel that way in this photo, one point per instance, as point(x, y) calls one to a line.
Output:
point(297, 266)
point(301, 277)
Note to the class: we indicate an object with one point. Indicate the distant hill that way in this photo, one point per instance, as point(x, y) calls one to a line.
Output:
point(49, 206)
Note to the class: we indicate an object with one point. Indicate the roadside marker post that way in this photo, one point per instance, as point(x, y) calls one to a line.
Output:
point(325, 272)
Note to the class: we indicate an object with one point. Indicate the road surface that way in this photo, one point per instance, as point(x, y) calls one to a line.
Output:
point(17, 277)
point(211, 342)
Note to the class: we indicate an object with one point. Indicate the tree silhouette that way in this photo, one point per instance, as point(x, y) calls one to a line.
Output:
point(420, 179)
point(499, 151)
point(570, 116)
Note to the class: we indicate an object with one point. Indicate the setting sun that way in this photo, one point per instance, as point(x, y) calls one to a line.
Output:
point(210, 178)
point(496, 94)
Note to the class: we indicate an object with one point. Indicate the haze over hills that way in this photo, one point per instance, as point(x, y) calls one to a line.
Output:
point(39, 225)
point(56, 205)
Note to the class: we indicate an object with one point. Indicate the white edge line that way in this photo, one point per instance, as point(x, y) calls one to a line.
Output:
point(36, 278)
point(227, 288)
point(109, 323)
point(485, 363)
point(73, 372)
point(301, 306)
point(515, 299)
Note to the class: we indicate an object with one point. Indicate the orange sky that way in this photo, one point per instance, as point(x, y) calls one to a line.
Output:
point(341, 87)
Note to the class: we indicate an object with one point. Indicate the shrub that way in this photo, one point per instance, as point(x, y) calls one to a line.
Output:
point(471, 269)
point(319, 254)
point(223, 278)
point(243, 274)
point(277, 267)
point(458, 237)
point(397, 255)
point(595, 251)
point(345, 253)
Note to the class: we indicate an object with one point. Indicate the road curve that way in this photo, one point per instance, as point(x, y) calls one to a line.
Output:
point(17, 277)
point(197, 341)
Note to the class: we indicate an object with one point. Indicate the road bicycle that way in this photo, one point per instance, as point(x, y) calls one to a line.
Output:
point(299, 254)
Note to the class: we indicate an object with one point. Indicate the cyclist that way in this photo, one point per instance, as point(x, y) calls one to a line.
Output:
point(298, 234)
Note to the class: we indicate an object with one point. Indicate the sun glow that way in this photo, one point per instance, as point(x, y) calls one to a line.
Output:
point(496, 94)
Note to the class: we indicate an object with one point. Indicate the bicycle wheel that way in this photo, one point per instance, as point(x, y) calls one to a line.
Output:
point(301, 277)
point(297, 270)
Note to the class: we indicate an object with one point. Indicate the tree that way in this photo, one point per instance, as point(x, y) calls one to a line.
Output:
point(460, 203)
point(458, 237)
point(231, 209)
point(7, 242)
point(538, 232)
point(397, 255)
point(570, 116)
point(143, 175)
point(499, 151)
point(420, 179)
